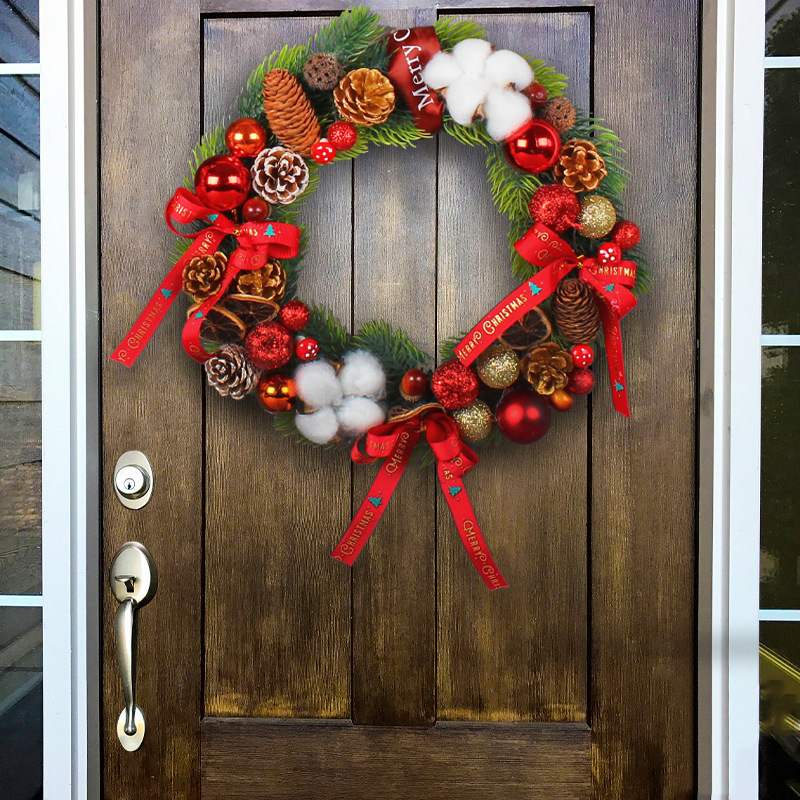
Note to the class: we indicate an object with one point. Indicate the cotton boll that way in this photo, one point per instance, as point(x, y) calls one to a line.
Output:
point(441, 71)
point(362, 375)
point(357, 415)
point(319, 427)
point(505, 67)
point(471, 55)
point(505, 111)
point(465, 97)
point(317, 385)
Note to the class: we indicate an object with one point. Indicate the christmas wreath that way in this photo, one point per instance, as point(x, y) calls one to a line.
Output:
point(554, 172)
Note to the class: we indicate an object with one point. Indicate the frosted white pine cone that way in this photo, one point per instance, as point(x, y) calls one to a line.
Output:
point(279, 175)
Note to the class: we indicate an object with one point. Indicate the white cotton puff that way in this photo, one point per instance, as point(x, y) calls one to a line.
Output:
point(471, 55)
point(505, 67)
point(316, 384)
point(505, 111)
point(441, 71)
point(465, 97)
point(319, 427)
point(362, 374)
point(357, 415)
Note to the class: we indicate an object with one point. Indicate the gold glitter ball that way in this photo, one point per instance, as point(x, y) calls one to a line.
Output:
point(475, 422)
point(498, 367)
point(597, 216)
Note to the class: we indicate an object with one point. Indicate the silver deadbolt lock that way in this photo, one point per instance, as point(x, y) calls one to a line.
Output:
point(133, 479)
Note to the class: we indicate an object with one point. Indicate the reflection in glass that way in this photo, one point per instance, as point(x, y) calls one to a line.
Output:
point(783, 27)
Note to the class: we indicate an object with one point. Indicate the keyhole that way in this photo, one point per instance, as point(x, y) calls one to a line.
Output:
point(129, 484)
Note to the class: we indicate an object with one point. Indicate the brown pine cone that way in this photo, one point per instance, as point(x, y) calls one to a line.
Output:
point(580, 167)
point(559, 112)
point(364, 97)
point(268, 282)
point(575, 311)
point(547, 368)
point(279, 175)
point(202, 276)
point(290, 113)
point(230, 373)
point(323, 71)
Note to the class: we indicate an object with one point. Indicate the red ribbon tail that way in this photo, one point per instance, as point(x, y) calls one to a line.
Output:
point(612, 334)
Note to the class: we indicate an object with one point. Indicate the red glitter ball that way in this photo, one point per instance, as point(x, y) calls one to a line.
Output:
point(455, 385)
point(626, 234)
point(342, 135)
point(269, 346)
point(555, 206)
point(581, 381)
point(294, 315)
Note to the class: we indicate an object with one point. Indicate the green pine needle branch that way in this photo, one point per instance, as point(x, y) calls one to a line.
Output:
point(331, 335)
point(471, 135)
point(452, 30)
point(350, 35)
point(212, 144)
point(511, 189)
point(398, 131)
point(554, 82)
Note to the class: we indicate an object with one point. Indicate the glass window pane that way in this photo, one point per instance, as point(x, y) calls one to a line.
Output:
point(783, 28)
point(21, 703)
point(781, 287)
point(19, 31)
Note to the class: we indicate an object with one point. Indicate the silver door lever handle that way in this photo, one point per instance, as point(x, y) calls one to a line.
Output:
point(134, 581)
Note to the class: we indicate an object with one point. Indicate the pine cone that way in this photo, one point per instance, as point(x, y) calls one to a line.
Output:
point(559, 112)
point(547, 368)
point(580, 167)
point(289, 111)
point(323, 71)
point(279, 175)
point(364, 97)
point(202, 276)
point(268, 282)
point(230, 373)
point(575, 311)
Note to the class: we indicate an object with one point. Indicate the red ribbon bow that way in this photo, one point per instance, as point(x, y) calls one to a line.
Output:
point(258, 241)
point(609, 283)
point(394, 442)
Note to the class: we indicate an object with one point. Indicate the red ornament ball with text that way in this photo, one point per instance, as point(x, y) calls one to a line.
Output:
point(256, 209)
point(323, 152)
point(276, 392)
point(455, 385)
point(269, 346)
point(523, 415)
point(294, 315)
point(222, 182)
point(307, 349)
point(582, 355)
point(581, 381)
point(245, 137)
point(536, 94)
point(342, 134)
point(534, 147)
point(413, 385)
point(626, 234)
point(555, 206)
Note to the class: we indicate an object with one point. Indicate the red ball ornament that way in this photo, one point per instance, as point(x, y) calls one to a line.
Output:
point(294, 315)
point(523, 415)
point(536, 94)
point(609, 254)
point(222, 182)
point(342, 135)
point(534, 147)
point(307, 349)
point(455, 385)
point(561, 400)
point(582, 355)
point(245, 137)
point(256, 209)
point(269, 346)
point(323, 152)
point(276, 392)
point(413, 385)
point(626, 234)
point(581, 381)
point(555, 206)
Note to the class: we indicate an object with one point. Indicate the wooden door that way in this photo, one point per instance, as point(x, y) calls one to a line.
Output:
point(266, 669)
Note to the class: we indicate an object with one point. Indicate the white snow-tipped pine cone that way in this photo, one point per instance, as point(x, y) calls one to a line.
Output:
point(279, 175)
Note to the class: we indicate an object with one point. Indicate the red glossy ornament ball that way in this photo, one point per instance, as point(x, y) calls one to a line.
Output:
point(581, 381)
point(256, 209)
point(222, 182)
point(269, 346)
point(561, 400)
point(626, 234)
point(276, 392)
point(342, 135)
point(534, 147)
point(323, 152)
point(555, 206)
point(609, 254)
point(307, 349)
point(523, 415)
point(413, 385)
point(455, 385)
point(294, 315)
point(536, 93)
point(245, 137)
point(582, 355)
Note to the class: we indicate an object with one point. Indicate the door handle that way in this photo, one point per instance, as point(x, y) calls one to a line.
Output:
point(134, 581)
